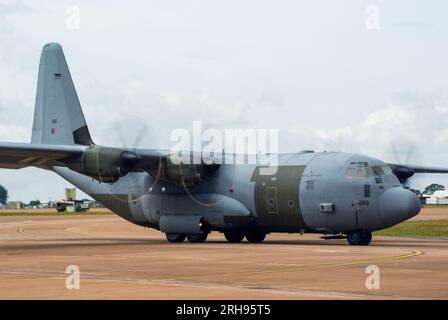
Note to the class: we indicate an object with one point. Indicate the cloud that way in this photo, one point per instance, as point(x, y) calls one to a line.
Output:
point(13, 6)
point(414, 24)
point(404, 133)
point(153, 67)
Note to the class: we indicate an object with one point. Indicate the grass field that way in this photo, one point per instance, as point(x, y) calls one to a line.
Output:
point(435, 206)
point(428, 228)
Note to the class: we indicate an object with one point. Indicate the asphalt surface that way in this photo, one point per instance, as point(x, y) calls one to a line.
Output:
point(118, 260)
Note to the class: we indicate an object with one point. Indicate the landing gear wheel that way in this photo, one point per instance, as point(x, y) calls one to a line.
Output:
point(234, 236)
point(359, 238)
point(175, 237)
point(197, 238)
point(366, 238)
point(255, 236)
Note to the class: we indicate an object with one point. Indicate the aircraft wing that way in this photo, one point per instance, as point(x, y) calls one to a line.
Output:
point(428, 169)
point(103, 163)
point(92, 161)
point(419, 168)
point(21, 155)
point(403, 172)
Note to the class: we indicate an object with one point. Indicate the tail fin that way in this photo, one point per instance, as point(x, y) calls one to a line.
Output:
point(58, 117)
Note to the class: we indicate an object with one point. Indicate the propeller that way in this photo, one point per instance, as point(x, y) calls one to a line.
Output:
point(127, 135)
point(403, 151)
point(403, 173)
point(131, 132)
point(128, 161)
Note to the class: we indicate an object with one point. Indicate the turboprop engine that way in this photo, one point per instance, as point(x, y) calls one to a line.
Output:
point(188, 174)
point(108, 164)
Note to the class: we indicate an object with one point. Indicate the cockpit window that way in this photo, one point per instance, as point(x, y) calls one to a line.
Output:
point(359, 164)
point(358, 170)
point(378, 171)
point(387, 170)
point(383, 170)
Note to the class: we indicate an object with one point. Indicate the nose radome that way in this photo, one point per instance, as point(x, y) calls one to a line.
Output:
point(397, 205)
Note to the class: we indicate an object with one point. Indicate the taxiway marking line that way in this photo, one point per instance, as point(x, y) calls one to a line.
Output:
point(413, 253)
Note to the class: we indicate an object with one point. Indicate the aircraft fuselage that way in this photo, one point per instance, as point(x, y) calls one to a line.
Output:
point(327, 193)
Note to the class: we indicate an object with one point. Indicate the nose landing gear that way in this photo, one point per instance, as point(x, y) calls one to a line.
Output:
point(359, 238)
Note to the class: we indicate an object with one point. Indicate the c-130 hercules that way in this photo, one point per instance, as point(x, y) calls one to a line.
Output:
point(331, 193)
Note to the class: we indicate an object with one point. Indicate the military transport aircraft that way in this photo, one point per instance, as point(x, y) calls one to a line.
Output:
point(334, 194)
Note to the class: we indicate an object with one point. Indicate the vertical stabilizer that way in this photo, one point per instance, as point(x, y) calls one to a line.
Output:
point(58, 117)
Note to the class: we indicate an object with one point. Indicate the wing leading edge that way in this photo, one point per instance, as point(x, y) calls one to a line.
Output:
point(404, 172)
point(21, 155)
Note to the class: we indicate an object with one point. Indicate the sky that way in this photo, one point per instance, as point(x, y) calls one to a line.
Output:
point(368, 77)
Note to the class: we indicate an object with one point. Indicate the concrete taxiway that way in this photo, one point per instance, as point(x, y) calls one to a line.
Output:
point(119, 260)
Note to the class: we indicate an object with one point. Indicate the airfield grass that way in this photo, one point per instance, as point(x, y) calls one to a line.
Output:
point(426, 228)
point(445, 206)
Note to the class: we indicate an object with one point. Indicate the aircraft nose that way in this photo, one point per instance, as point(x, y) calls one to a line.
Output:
point(397, 205)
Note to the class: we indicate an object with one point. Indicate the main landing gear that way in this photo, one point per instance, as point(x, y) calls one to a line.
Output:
point(197, 238)
point(234, 236)
point(180, 237)
point(255, 236)
point(359, 238)
point(175, 237)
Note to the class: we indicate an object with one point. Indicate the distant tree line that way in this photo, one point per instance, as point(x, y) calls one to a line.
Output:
point(433, 188)
point(3, 195)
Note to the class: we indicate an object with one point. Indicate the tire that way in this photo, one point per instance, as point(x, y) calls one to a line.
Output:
point(359, 238)
point(255, 236)
point(366, 238)
point(197, 238)
point(175, 237)
point(234, 236)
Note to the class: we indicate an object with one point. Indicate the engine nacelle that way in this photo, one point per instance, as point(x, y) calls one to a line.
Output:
point(107, 164)
point(186, 173)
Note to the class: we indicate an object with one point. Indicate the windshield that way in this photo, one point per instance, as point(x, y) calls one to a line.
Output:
point(383, 170)
point(362, 170)
point(358, 170)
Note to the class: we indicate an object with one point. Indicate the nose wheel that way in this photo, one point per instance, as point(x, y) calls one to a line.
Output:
point(359, 238)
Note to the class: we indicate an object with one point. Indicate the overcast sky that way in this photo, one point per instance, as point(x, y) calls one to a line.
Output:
point(320, 71)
